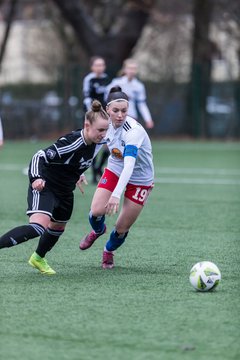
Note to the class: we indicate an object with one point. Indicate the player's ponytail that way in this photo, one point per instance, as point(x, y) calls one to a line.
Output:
point(96, 111)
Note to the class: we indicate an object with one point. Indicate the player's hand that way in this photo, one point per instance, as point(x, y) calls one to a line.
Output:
point(82, 180)
point(38, 184)
point(149, 124)
point(112, 205)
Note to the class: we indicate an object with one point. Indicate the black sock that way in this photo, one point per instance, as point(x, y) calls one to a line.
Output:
point(21, 234)
point(48, 239)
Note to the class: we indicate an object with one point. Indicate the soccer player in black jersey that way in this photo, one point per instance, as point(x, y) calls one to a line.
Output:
point(53, 175)
point(94, 88)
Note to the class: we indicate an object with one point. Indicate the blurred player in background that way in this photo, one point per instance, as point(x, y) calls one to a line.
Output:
point(53, 175)
point(1, 133)
point(94, 88)
point(135, 91)
point(129, 168)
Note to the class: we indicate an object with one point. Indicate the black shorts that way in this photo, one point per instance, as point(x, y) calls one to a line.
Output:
point(58, 206)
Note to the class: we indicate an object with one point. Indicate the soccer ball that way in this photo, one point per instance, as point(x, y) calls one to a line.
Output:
point(204, 276)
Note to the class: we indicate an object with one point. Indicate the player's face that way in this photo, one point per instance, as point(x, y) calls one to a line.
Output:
point(95, 132)
point(98, 67)
point(117, 112)
point(131, 70)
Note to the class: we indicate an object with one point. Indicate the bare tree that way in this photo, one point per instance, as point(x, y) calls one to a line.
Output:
point(107, 28)
point(9, 19)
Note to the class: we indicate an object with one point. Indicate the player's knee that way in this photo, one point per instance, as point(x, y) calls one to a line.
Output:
point(97, 211)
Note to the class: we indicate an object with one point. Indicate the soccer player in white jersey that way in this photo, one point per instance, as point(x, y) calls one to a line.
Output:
point(135, 91)
point(129, 168)
point(53, 175)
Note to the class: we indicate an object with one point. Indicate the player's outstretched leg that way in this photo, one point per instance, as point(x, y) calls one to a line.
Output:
point(20, 234)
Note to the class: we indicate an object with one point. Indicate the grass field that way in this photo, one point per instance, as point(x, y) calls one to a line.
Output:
point(145, 308)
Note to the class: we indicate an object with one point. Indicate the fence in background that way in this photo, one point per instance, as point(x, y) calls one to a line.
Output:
point(57, 108)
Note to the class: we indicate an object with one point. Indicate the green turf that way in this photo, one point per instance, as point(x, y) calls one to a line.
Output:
point(145, 308)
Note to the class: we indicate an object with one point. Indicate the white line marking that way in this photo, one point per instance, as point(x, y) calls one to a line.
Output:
point(198, 146)
point(11, 167)
point(161, 170)
point(196, 181)
point(167, 180)
point(205, 171)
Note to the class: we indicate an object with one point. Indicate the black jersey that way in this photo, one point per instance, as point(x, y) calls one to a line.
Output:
point(63, 162)
point(94, 88)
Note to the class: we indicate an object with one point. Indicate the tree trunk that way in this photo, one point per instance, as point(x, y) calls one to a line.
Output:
point(7, 30)
point(202, 53)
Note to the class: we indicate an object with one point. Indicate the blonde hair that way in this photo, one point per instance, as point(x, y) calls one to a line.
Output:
point(95, 112)
point(127, 62)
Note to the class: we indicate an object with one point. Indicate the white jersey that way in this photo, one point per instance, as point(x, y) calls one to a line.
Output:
point(131, 133)
point(136, 93)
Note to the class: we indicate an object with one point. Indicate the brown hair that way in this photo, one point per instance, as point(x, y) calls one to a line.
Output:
point(94, 58)
point(96, 111)
point(116, 93)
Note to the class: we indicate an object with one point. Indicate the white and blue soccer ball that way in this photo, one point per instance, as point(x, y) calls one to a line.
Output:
point(205, 276)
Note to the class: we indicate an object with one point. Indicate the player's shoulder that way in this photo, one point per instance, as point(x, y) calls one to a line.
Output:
point(89, 76)
point(132, 124)
point(75, 135)
point(118, 80)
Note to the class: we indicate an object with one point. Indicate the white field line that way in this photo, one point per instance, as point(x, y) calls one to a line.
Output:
point(200, 147)
point(196, 181)
point(12, 167)
point(169, 180)
point(197, 171)
point(159, 170)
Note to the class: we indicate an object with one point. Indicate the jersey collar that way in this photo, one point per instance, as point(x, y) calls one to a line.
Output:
point(83, 137)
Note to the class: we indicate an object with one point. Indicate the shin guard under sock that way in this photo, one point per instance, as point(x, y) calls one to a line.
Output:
point(97, 222)
point(115, 240)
